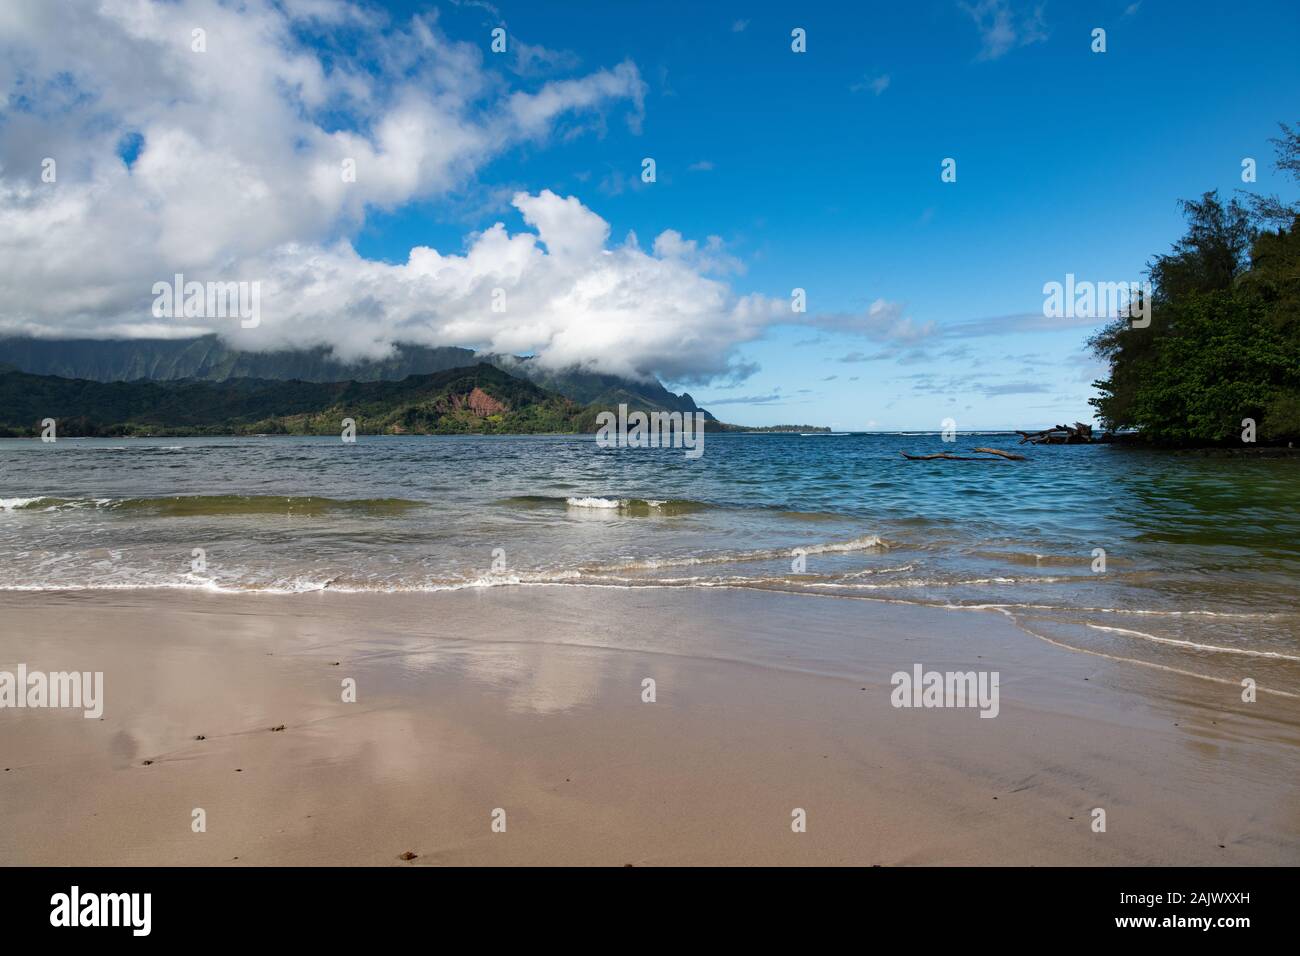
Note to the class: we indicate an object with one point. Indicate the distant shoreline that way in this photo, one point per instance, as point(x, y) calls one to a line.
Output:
point(1131, 442)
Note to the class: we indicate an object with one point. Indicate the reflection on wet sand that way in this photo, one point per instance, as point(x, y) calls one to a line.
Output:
point(531, 701)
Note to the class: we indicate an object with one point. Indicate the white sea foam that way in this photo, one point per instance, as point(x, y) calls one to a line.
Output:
point(864, 543)
point(1132, 660)
point(612, 503)
point(932, 583)
point(52, 504)
point(10, 504)
point(594, 502)
point(1210, 648)
point(866, 571)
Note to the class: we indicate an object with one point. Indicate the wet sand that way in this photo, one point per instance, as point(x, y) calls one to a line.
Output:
point(529, 700)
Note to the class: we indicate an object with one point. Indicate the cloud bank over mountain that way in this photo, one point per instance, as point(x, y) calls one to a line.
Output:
point(187, 138)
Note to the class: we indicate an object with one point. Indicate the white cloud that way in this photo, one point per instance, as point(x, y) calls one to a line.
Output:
point(712, 257)
point(533, 60)
point(243, 145)
point(239, 178)
point(1018, 323)
point(1002, 27)
point(876, 85)
point(569, 298)
point(880, 322)
point(534, 112)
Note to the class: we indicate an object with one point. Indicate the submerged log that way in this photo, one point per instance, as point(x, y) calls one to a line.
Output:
point(948, 456)
point(945, 455)
point(1000, 453)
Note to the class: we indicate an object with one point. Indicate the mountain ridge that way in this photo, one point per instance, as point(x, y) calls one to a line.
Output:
point(479, 399)
point(206, 358)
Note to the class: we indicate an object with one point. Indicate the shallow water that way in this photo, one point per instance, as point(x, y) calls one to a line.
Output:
point(1202, 554)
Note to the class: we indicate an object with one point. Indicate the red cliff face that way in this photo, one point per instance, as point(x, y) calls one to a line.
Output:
point(479, 402)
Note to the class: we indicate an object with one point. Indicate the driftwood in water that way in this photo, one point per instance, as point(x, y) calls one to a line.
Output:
point(993, 455)
point(1076, 434)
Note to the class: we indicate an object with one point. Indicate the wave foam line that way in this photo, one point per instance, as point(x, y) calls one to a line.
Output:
point(1123, 610)
point(590, 502)
point(1212, 648)
point(864, 543)
point(1133, 660)
point(512, 580)
point(13, 504)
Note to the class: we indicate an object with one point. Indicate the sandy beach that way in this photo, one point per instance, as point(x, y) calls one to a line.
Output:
point(530, 700)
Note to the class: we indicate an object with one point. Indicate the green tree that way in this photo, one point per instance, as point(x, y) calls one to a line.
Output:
point(1223, 344)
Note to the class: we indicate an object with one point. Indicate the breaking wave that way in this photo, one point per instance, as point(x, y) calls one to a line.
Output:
point(217, 505)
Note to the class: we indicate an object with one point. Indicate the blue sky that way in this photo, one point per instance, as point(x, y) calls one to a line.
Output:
point(1068, 161)
point(816, 170)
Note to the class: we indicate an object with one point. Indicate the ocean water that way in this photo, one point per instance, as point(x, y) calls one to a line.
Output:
point(1202, 555)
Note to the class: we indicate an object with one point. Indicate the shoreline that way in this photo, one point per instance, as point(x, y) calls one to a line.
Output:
point(1116, 441)
point(530, 700)
point(1018, 615)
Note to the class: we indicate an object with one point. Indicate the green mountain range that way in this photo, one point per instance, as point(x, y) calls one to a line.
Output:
point(208, 359)
point(480, 399)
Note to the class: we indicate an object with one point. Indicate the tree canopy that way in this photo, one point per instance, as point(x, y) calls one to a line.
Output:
point(1223, 344)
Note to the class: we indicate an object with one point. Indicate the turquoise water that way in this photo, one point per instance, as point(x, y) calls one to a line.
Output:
point(1202, 554)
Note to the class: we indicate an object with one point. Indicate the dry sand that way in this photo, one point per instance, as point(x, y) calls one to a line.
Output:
point(530, 700)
